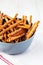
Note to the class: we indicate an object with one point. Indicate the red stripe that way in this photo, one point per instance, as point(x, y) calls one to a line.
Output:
point(5, 60)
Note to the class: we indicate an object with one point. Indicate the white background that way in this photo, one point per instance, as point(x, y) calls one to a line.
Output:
point(34, 54)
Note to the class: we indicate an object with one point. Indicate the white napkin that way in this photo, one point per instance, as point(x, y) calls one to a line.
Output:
point(6, 59)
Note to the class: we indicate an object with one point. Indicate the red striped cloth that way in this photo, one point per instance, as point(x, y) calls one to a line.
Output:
point(5, 60)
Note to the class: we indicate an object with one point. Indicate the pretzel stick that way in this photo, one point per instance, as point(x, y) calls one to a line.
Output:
point(12, 26)
point(32, 30)
point(24, 19)
point(30, 19)
point(16, 32)
point(6, 19)
point(25, 27)
point(29, 30)
point(30, 25)
point(8, 16)
point(8, 22)
point(0, 18)
point(4, 15)
point(14, 38)
point(12, 33)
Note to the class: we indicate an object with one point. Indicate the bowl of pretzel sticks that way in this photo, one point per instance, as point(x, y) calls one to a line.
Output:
point(16, 34)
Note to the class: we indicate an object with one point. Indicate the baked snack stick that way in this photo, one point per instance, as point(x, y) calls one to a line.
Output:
point(1, 16)
point(35, 25)
point(16, 32)
point(24, 27)
point(31, 24)
point(4, 15)
point(6, 19)
point(24, 18)
point(13, 19)
point(30, 20)
point(11, 26)
point(14, 37)
point(7, 16)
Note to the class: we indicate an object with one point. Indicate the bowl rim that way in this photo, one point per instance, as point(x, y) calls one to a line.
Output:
point(18, 42)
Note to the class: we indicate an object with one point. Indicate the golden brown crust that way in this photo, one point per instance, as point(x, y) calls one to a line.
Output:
point(29, 34)
point(14, 38)
point(16, 29)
